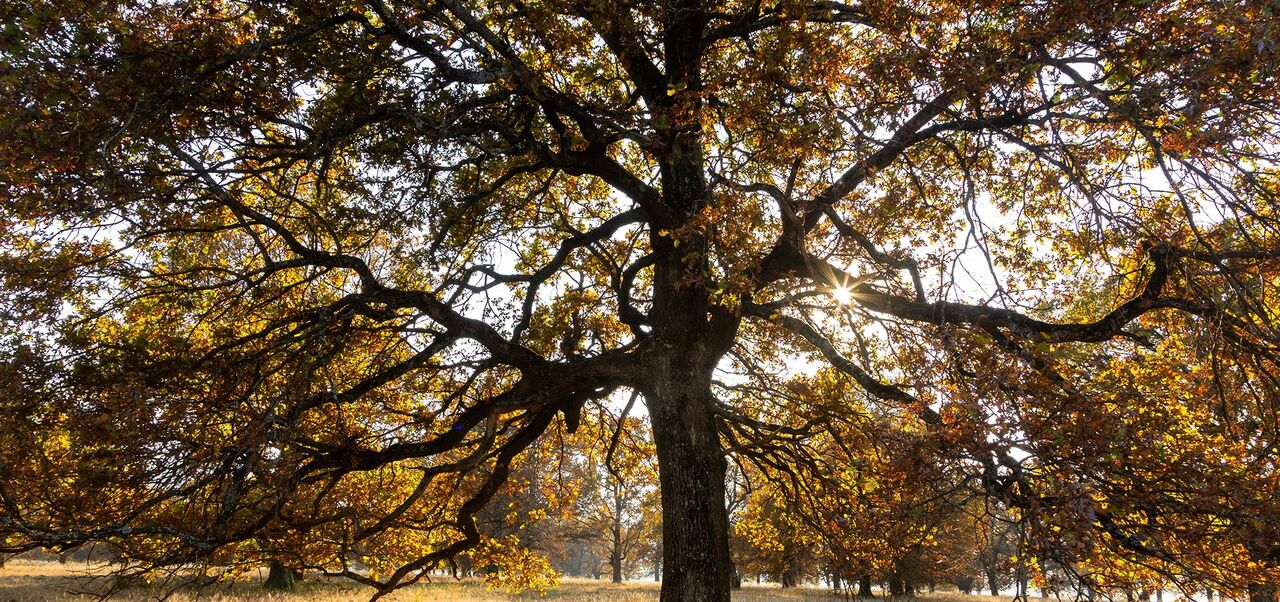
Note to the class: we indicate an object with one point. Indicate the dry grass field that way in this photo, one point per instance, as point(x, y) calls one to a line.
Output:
point(33, 581)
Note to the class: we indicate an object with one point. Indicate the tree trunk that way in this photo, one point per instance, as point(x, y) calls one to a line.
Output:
point(691, 471)
point(281, 577)
point(689, 336)
point(993, 581)
point(864, 587)
point(897, 586)
point(789, 577)
point(615, 556)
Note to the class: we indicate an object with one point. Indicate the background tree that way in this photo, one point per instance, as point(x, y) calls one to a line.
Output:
point(313, 275)
point(997, 551)
point(615, 513)
point(772, 542)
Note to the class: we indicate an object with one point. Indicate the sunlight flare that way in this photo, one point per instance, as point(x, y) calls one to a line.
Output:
point(842, 294)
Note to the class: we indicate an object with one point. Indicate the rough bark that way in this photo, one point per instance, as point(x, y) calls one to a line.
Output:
point(691, 469)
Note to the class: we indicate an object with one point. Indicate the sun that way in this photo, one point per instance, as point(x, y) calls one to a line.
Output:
point(842, 295)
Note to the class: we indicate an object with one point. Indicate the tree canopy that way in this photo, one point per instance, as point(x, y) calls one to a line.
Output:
point(306, 279)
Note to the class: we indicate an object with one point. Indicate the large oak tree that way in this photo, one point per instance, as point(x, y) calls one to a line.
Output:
point(300, 278)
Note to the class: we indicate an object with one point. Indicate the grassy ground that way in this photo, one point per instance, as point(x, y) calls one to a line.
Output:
point(32, 581)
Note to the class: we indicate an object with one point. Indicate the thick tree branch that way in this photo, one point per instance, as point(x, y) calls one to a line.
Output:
point(948, 312)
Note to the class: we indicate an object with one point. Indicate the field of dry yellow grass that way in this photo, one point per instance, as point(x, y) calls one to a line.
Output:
point(35, 581)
